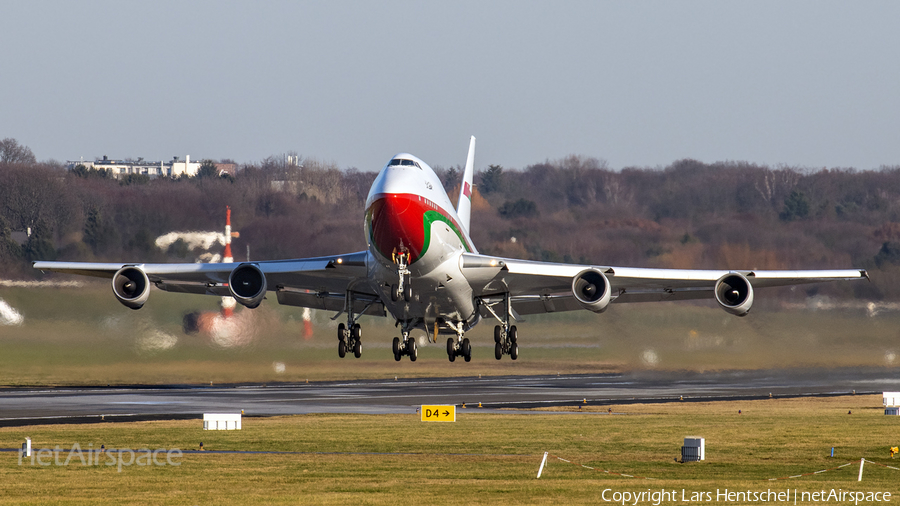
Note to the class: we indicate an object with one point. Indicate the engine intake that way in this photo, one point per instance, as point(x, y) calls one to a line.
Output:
point(131, 286)
point(247, 284)
point(734, 293)
point(591, 289)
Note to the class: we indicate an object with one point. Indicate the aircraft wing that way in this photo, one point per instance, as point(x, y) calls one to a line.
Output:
point(318, 283)
point(544, 287)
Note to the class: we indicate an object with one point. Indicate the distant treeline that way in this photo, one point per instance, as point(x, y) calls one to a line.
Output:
point(687, 215)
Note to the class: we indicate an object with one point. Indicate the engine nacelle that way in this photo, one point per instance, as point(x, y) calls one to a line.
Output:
point(734, 293)
point(591, 289)
point(131, 286)
point(247, 285)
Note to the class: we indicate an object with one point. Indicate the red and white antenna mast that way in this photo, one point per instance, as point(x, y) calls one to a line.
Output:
point(227, 258)
point(228, 303)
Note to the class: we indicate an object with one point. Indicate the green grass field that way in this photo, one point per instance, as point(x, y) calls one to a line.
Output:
point(480, 459)
point(82, 336)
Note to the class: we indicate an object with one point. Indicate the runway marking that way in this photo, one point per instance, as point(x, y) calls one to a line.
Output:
point(148, 403)
point(821, 471)
point(601, 470)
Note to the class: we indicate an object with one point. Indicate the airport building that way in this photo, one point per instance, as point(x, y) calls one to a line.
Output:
point(119, 168)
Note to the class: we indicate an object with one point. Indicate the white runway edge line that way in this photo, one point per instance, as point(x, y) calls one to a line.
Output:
point(546, 454)
point(861, 462)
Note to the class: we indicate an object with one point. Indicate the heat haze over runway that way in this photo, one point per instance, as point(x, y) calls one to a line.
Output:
point(74, 405)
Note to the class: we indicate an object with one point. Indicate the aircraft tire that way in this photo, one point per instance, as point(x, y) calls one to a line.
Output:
point(467, 350)
point(407, 293)
point(357, 349)
point(513, 334)
point(342, 349)
point(514, 351)
point(396, 349)
point(395, 293)
point(451, 349)
point(498, 351)
point(413, 352)
point(355, 332)
point(497, 332)
point(341, 329)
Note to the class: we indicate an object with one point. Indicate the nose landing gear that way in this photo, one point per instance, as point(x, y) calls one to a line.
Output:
point(402, 289)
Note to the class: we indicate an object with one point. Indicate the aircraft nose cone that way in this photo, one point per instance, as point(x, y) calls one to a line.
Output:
point(396, 224)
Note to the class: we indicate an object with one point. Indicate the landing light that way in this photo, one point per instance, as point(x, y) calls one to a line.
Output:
point(340, 260)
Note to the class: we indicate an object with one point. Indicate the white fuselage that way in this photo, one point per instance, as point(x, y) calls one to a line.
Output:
point(409, 213)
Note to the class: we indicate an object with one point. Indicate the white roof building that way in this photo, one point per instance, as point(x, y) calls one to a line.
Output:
point(119, 168)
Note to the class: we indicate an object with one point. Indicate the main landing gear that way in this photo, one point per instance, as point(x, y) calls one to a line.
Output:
point(505, 342)
point(349, 340)
point(506, 336)
point(459, 347)
point(350, 335)
point(406, 346)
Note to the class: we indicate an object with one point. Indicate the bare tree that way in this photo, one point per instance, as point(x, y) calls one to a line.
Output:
point(13, 152)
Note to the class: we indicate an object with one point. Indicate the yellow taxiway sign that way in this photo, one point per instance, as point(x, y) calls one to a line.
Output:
point(438, 413)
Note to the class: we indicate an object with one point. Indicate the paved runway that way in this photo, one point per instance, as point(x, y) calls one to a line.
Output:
point(73, 405)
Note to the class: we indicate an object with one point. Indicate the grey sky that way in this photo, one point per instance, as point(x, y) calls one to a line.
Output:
point(812, 83)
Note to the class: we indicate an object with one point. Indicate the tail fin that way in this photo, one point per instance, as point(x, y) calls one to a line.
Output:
point(464, 207)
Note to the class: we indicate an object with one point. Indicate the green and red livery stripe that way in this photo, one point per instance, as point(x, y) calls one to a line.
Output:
point(396, 219)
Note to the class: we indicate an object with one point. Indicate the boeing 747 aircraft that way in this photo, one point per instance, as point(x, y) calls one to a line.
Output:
point(423, 270)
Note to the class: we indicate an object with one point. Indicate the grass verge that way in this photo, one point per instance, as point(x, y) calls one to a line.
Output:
point(481, 459)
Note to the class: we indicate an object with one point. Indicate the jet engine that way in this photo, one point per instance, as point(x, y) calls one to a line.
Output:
point(734, 293)
point(131, 286)
point(247, 285)
point(591, 289)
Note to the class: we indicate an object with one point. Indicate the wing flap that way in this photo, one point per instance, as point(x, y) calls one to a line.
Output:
point(362, 303)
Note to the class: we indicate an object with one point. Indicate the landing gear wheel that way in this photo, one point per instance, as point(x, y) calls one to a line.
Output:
point(342, 349)
point(395, 293)
point(466, 350)
point(451, 349)
point(357, 349)
point(514, 351)
point(396, 348)
point(497, 331)
point(341, 329)
point(498, 351)
point(413, 352)
point(355, 332)
point(407, 292)
point(513, 335)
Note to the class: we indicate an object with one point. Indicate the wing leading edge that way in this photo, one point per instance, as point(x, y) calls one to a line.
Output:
point(544, 287)
point(318, 283)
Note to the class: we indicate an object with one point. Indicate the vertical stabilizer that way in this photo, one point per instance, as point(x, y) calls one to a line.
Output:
point(464, 207)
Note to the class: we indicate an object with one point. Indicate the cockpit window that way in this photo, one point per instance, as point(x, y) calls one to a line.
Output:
point(401, 161)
